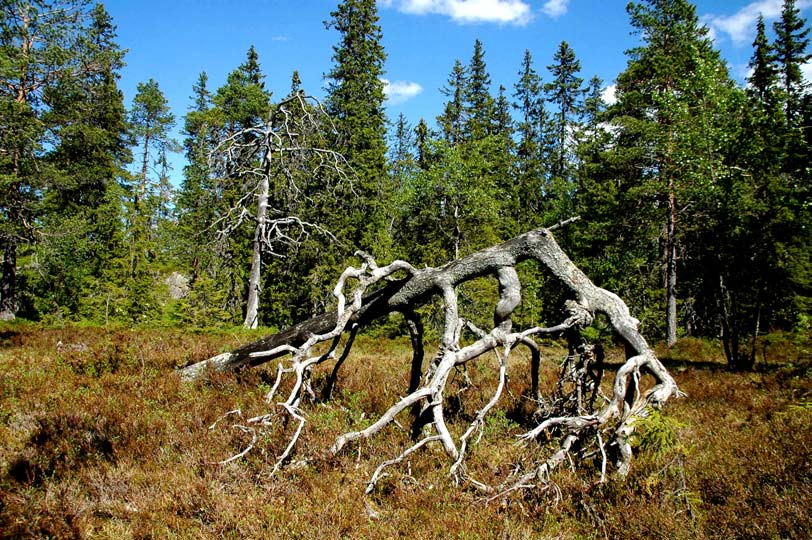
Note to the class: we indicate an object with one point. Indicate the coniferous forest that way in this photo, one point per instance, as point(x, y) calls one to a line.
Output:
point(692, 191)
point(693, 198)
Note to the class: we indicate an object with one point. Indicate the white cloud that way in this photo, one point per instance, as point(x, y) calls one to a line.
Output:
point(400, 91)
point(806, 70)
point(741, 26)
point(742, 71)
point(468, 11)
point(555, 8)
point(609, 94)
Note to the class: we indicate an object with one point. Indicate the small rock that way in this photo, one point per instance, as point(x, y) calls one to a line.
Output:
point(178, 285)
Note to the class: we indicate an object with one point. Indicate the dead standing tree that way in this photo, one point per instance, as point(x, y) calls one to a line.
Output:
point(582, 421)
point(285, 149)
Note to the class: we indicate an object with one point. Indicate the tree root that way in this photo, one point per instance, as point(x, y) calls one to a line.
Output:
point(586, 424)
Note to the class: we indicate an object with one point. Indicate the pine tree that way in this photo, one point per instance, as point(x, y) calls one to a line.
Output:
point(30, 35)
point(674, 102)
point(150, 121)
point(62, 140)
point(355, 100)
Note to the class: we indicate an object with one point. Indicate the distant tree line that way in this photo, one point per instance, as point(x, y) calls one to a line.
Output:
point(693, 191)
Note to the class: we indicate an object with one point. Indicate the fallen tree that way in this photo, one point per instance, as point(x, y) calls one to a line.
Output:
point(584, 422)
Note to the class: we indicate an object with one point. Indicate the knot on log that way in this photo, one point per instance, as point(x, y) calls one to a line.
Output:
point(577, 314)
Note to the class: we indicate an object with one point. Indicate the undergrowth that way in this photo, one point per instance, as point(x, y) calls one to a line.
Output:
point(99, 439)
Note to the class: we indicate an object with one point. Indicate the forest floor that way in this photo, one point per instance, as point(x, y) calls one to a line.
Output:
point(99, 439)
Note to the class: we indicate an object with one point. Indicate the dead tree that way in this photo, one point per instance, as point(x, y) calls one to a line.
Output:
point(583, 421)
point(288, 146)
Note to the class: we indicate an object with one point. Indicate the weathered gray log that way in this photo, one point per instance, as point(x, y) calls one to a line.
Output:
point(404, 294)
point(607, 427)
point(396, 296)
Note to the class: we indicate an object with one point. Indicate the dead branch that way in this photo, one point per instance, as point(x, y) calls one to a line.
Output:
point(283, 151)
point(583, 422)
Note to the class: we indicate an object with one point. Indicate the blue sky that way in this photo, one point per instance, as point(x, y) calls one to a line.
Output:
point(172, 41)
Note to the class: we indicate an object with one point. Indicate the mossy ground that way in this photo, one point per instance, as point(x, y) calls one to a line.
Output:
point(98, 439)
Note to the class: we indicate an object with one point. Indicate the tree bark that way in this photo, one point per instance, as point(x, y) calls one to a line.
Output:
point(671, 272)
point(142, 190)
point(403, 294)
point(8, 285)
point(252, 309)
point(572, 416)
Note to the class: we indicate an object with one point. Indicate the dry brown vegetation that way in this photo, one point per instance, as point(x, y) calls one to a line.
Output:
point(99, 438)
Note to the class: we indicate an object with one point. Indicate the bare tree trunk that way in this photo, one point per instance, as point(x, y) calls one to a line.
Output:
point(671, 272)
point(8, 285)
point(752, 358)
point(144, 167)
point(291, 136)
point(725, 322)
point(457, 231)
point(252, 309)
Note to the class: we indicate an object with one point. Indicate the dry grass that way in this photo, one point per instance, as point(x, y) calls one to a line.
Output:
point(98, 439)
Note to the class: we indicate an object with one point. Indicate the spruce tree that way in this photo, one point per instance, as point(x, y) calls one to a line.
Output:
point(479, 103)
point(196, 202)
point(790, 48)
point(151, 120)
point(601, 203)
point(242, 101)
point(454, 205)
point(402, 159)
point(764, 76)
point(295, 83)
point(531, 159)
point(455, 113)
point(355, 100)
point(81, 236)
point(501, 156)
point(565, 92)
point(64, 143)
point(423, 135)
point(277, 185)
point(238, 105)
